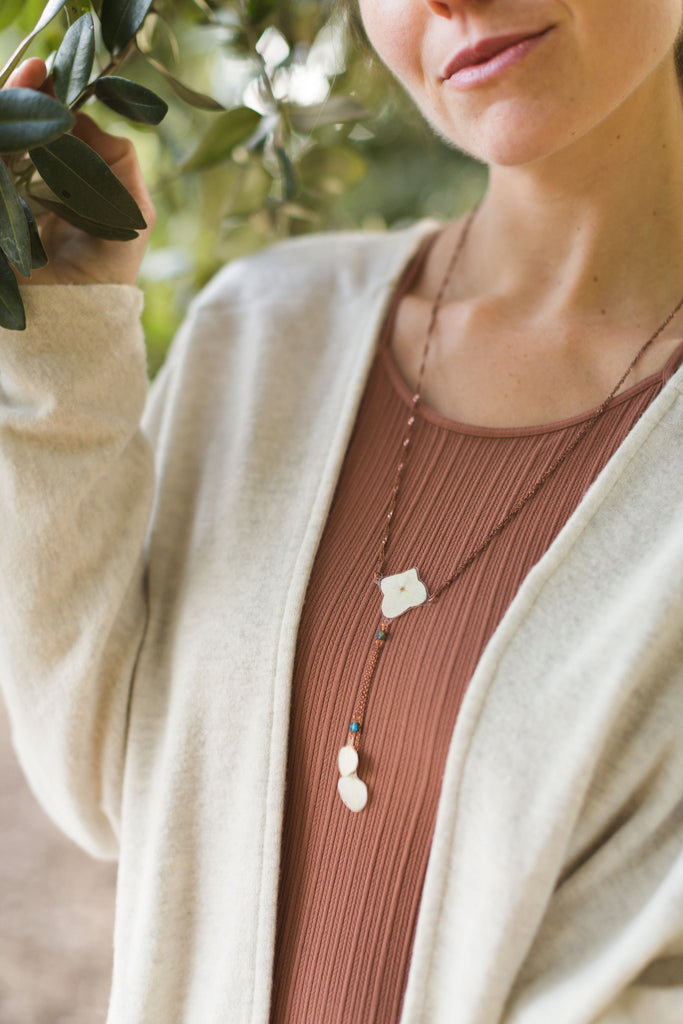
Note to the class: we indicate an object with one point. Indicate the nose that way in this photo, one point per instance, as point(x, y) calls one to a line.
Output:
point(443, 8)
point(453, 8)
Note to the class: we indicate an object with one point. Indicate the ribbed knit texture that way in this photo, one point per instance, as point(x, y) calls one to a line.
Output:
point(351, 884)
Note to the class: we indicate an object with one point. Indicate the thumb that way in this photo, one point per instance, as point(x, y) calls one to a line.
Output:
point(29, 75)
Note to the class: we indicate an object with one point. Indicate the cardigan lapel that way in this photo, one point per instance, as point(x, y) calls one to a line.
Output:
point(546, 697)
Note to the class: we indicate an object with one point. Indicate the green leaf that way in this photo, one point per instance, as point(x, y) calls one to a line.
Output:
point(202, 6)
point(29, 118)
point(335, 110)
point(290, 184)
point(199, 100)
point(76, 8)
point(258, 9)
point(91, 227)
point(74, 60)
point(121, 19)
point(83, 181)
point(10, 9)
point(50, 11)
point(38, 255)
point(12, 315)
point(331, 170)
point(14, 236)
point(130, 99)
point(227, 131)
point(249, 186)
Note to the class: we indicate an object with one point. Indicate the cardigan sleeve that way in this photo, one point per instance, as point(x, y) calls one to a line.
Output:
point(76, 479)
point(610, 947)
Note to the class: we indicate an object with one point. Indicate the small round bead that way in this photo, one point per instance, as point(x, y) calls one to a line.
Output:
point(381, 634)
point(354, 727)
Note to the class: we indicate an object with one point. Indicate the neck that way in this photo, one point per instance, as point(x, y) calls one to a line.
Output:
point(597, 226)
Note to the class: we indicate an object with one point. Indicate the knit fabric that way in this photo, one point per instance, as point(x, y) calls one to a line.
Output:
point(152, 583)
point(351, 884)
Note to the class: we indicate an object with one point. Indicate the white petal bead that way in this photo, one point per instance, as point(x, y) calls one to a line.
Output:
point(353, 792)
point(403, 591)
point(348, 760)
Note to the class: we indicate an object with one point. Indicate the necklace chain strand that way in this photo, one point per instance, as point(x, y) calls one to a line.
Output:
point(433, 316)
point(352, 789)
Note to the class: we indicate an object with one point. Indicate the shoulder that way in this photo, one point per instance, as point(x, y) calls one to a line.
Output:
point(288, 303)
point(313, 269)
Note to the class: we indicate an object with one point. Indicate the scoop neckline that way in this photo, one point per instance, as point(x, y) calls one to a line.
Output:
point(400, 386)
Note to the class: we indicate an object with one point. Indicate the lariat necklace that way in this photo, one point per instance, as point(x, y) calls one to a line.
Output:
point(406, 590)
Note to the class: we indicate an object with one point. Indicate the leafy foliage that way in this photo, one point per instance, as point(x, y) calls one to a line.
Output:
point(28, 118)
point(83, 181)
point(73, 64)
point(12, 313)
point(13, 225)
point(121, 20)
point(51, 10)
point(38, 255)
point(276, 126)
point(132, 100)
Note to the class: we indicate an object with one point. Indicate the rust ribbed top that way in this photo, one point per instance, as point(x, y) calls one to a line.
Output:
point(351, 884)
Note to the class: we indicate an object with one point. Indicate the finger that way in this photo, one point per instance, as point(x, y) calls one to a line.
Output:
point(32, 74)
point(29, 75)
point(111, 148)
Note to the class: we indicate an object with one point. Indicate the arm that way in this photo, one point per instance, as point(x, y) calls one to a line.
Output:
point(76, 485)
point(77, 481)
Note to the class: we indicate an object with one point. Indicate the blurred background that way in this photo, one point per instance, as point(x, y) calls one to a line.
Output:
point(280, 123)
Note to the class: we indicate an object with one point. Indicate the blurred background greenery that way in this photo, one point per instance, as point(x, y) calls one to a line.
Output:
point(291, 127)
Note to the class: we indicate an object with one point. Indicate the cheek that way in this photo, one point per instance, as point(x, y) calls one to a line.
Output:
point(395, 27)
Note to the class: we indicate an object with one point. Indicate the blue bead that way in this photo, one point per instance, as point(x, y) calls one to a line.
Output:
point(354, 727)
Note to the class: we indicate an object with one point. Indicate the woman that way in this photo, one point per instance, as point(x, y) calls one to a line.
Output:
point(485, 420)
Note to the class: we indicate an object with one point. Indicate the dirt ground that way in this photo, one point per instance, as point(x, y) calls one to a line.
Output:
point(56, 913)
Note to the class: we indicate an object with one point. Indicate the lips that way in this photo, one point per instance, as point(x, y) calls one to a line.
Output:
point(486, 49)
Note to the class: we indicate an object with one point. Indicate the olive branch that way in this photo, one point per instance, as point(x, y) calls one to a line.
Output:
point(45, 168)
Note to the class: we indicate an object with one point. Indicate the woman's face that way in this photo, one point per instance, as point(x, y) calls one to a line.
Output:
point(549, 71)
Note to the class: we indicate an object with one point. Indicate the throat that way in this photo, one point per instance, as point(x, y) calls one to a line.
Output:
point(485, 372)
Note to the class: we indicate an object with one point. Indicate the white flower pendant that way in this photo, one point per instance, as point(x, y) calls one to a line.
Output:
point(401, 592)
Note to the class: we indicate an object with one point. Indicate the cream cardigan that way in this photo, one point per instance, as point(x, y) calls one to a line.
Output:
point(148, 680)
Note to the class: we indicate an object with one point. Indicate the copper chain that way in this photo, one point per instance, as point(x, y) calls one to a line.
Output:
point(554, 465)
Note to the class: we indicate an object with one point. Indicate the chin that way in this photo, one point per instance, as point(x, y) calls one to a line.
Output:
point(508, 138)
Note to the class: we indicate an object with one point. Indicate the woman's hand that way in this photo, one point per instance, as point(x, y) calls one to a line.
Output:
point(76, 257)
